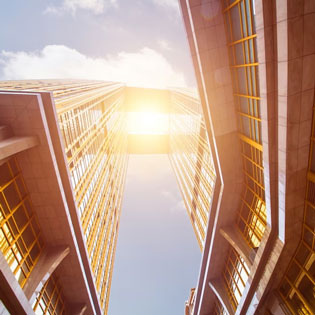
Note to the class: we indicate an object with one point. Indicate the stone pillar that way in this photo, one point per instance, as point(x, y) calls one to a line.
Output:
point(48, 261)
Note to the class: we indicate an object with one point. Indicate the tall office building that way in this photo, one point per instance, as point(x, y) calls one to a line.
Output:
point(191, 159)
point(92, 125)
point(64, 150)
point(254, 63)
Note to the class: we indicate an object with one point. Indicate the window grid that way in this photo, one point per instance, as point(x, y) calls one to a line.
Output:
point(58, 87)
point(240, 29)
point(107, 273)
point(91, 202)
point(191, 160)
point(297, 287)
point(251, 219)
point(235, 275)
point(94, 130)
point(20, 239)
point(50, 299)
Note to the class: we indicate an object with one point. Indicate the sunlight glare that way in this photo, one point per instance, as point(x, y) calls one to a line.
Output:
point(148, 123)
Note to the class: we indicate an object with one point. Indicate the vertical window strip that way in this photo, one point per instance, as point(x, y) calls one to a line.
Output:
point(235, 276)
point(239, 21)
point(95, 134)
point(192, 160)
point(20, 239)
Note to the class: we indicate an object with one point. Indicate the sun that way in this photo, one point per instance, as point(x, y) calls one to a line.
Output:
point(149, 123)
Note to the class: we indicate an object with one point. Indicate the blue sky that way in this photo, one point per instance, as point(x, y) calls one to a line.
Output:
point(157, 257)
point(141, 43)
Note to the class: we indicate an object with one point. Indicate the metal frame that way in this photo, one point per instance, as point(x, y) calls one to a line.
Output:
point(20, 237)
point(252, 216)
point(50, 299)
point(191, 160)
point(92, 124)
point(94, 131)
point(235, 276)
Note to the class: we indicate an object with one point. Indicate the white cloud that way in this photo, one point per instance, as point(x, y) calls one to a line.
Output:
point(96, 6)
point(146, 67)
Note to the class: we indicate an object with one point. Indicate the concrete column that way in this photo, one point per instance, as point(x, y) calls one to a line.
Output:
point(217, 287)
point(13, 145)
point(48, 261)
point(234, 237)
point(11, 293)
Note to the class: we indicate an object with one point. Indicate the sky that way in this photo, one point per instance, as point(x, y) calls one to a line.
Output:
point(157, 257)
point(141, 43)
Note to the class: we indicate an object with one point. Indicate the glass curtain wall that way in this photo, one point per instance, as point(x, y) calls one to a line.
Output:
point(251, 220)
point(93, 125)
point(92, 121)
point(21, 242)
point(191, 159)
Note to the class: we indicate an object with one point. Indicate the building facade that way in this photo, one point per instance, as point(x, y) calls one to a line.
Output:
point(191, 159)
point(90, 121)
point(64, 150)
point(254, 63)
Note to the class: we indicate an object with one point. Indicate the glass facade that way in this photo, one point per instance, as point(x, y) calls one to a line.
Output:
point(20, 237)
point(50, 300)
point(240, 30)
point(235, 276)
point(251, 219)
point(93, 126)
point(191, 159)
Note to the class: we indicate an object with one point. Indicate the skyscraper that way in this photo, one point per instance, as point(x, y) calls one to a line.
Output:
point(92, 125)
point(64, 153)
point(191, 159)
point(254, 63)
